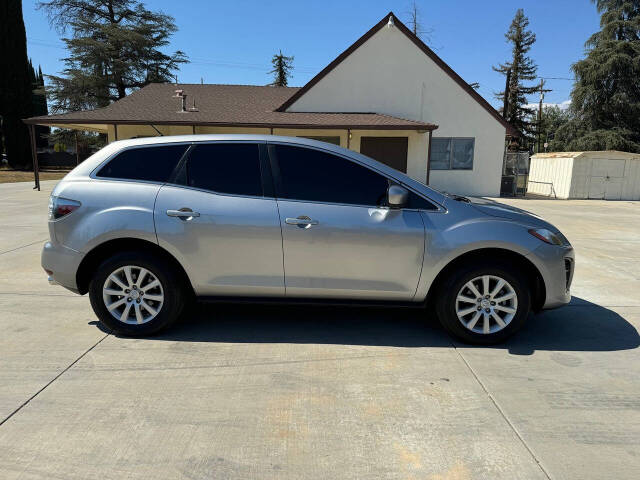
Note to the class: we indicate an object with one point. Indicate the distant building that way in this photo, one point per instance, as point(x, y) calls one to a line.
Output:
point(607, 175)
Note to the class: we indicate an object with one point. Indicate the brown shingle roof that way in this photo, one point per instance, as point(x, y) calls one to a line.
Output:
point(223, 105)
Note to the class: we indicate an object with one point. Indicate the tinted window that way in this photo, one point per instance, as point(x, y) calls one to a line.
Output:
point(149, 163)
point(419, 203)
point(232, 168)
point(321, 177)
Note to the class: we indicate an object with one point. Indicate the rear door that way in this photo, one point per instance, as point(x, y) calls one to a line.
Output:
point(221, 223)
point(339, 240)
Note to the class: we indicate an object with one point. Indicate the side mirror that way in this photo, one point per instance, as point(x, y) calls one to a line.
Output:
point(397, 196)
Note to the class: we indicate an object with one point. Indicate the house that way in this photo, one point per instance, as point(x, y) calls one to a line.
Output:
point(388, 96)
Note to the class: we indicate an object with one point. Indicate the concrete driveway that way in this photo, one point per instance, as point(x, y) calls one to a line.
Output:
point(248, 392)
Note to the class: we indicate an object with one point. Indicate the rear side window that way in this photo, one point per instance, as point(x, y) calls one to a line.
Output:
point(231, 168)
point(312, 175)
point(154, 164)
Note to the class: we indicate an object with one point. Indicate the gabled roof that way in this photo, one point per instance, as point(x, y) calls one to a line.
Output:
point(223, 105)
point(422, 46)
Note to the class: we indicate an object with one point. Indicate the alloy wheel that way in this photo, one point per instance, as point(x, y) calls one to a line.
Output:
point(486, 304)
point(133, 294)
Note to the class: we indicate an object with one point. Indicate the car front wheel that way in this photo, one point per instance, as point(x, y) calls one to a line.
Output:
point(132, 294)
point(484, 303)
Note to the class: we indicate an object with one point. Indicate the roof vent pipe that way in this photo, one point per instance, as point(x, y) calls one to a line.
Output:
point(180, 94)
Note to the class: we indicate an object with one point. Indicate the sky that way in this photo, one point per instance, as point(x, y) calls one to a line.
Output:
point(233, 41)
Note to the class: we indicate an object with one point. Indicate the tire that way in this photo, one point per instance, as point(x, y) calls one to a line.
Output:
point(454, 297)
point(166, 298)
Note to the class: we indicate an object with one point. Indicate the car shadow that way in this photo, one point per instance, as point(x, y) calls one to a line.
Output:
point(579, 326)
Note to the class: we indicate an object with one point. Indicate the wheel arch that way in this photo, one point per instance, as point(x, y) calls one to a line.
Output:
point(538, 290)
point(103, 251)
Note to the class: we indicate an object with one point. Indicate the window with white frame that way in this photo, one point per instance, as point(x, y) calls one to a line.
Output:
point(451, 153)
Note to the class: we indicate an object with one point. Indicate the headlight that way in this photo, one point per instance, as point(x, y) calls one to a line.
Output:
point(547, 236)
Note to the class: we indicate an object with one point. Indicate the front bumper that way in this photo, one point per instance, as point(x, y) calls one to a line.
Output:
point(556, 265)
point(63, 264)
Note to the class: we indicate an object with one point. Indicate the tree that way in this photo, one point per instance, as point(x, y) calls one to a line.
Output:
point(39, 101)
point(553, 118)
point(115, 46)
point(15, 84)
point(416, 25)
point(522, 69)
point(282, 66)
point(606, 96)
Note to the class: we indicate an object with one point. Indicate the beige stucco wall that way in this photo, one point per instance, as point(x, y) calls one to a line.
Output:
point(389, 74)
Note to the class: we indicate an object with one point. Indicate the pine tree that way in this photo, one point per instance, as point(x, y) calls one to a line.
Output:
point(606, 96)
point(15, 84)
point(115, 46)
point(39, 101)
point(522, 69)
point(282, 66)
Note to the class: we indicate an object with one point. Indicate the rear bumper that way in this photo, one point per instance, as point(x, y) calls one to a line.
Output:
point(63, 264)
point(556, 265)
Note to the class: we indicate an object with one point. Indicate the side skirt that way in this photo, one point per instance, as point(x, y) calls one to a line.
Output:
point(311, 301)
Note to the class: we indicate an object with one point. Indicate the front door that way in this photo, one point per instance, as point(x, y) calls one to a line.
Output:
point(391, 151)
point(220, 224)
point(339, 240)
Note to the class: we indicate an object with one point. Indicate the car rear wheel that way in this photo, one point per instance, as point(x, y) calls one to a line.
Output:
point(132, 294)
point(484, 303)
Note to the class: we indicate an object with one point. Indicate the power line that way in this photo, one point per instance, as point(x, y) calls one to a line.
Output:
point(557, 78)
point(195, 60)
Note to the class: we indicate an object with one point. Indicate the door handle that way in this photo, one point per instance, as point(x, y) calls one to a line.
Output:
point(183, 213)
point(302, 221)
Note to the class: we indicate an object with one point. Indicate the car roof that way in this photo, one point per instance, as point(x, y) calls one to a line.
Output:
point(88, 165)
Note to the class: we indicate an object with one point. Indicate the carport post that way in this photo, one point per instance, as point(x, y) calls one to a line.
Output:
point(75, 134)
point(34, 157)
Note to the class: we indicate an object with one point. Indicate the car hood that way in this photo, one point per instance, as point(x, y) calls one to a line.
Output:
point(496, 209)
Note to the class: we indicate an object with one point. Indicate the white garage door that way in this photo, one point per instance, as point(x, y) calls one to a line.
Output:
point(606, 179)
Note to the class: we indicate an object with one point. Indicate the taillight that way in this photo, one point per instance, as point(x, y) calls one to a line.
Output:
point(59, 207)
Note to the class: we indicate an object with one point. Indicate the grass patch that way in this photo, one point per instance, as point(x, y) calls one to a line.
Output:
point(8, 175)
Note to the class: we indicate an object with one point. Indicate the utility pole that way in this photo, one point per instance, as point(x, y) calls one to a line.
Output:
point(542, 92)
point(505, 108)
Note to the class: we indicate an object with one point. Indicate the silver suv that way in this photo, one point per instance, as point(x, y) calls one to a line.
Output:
point(144, 226)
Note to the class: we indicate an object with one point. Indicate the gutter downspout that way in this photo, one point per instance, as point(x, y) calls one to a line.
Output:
point(429, 156)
